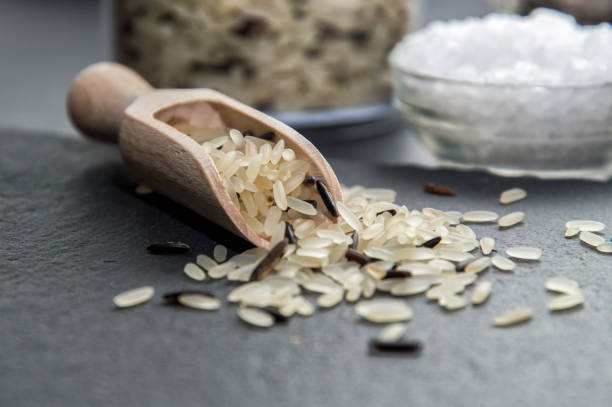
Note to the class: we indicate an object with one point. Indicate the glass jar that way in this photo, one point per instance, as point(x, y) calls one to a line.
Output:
point(276, 55)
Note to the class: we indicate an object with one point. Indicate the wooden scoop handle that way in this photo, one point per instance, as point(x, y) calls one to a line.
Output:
point(98, 96)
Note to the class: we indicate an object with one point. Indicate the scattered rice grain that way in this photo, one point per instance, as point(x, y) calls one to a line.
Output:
point(199, 301)
point(479, 216)
point(220, 253)
point(384, 310)
point(524, 252)
point(436, 189)
point(487, 244)
point(134, 297)
point(392, 332)
point(585, 225)
point(571, 232)
point(512, 195)
point(564, 301)
point(511, 219)
point(481, 292)
point(478, 265)
point(256, 317)
point(591, 239)
point(502, 263)
point(605, 248)
point(513, 317)
point(562, 285)
point(194, 272)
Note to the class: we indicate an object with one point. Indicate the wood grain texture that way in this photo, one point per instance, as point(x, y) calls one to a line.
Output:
point(167, 159)
point(97, 97)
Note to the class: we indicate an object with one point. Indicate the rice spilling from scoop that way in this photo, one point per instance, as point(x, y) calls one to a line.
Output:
point(351, 249)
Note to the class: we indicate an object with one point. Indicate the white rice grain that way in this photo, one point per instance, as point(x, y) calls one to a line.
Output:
point(222, 270)
point(315, 242)
point(199, 301)
point(564, 301)
point(300, 206)
point(452, 255)
point(585, 225)
point(512, 195)
point(591, 239)
point(502, 263)
point(478, 265)
point(256, 317)
point(414, 253)
point(511, 219)
point(288, 154)
point(452, 302)
point(205, 262)
point(330, 299)
point(279, 195)
point(220, 253)
point(194, 272)
point(349, 217)
point(524, 252)
point(410, 286)
point(562, 285)
point(392, 332)
point(487, 244)
point(571, 232)
point(514, 316)
point(313, 252)
point(237, 138)
point(383, 310)
point(479, 216)
point(305, 308)
point(605, 248)
point(481, 292)
point(134, 297)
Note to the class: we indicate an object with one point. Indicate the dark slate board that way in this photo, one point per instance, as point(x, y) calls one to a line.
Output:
point(74, 235)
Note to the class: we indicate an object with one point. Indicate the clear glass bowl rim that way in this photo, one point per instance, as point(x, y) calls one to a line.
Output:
point(491, 85)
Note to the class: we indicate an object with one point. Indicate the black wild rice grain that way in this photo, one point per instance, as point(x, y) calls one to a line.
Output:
point(391, 211)
point(438, 189)
point(397, 274)
point(172, 298)
point(168, 248)
point(248, 133)
point(312, 202)
point(431, 243)
point(354, 255)
point(309, 180)
point(289, 233)
point(266, 265)
point(403, 346)
point(327, 198)
point(268, 136)
point(355, 241)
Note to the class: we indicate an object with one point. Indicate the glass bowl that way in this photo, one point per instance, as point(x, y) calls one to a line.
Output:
point(546, 131)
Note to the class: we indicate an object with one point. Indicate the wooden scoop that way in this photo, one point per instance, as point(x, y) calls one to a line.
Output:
point(110, 102)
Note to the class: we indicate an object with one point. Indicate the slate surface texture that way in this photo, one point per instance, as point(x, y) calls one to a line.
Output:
point(74, 235)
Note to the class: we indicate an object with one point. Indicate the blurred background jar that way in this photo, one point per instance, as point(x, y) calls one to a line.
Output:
point(585, 11)
point(276, 55)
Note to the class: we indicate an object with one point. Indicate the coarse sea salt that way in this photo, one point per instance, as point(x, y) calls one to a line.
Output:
point(525, 83)
point(545, 48)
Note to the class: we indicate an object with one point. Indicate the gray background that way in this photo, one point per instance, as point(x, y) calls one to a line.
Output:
point(74, 235)
point(44, 44)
